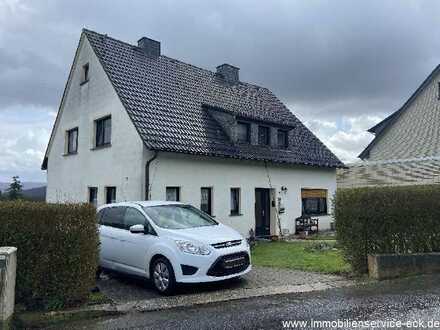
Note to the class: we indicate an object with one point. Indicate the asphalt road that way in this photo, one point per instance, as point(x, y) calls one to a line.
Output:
point(414, 299)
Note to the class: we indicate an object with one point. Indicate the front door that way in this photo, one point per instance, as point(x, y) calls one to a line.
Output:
point(262, 212)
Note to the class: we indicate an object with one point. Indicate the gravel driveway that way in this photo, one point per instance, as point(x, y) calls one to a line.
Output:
point(121, 288)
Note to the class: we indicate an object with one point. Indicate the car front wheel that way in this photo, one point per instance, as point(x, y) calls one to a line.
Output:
point(162, 275)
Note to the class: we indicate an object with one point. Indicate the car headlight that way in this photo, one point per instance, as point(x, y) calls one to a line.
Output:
point(189, 247)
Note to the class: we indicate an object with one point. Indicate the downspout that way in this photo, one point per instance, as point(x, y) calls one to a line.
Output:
point(147, 175)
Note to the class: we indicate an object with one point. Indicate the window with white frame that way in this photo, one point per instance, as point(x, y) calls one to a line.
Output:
point(93, 196)
point(235, 201)
point(103, 131)
point(110, 195)
point(206, 200)
point(85, 73)
point(173, 194)
point(72, 141)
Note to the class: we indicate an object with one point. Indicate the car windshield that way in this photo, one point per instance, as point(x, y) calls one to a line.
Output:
point(178, 216)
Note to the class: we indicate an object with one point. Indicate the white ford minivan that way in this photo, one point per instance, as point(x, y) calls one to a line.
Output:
point(169, 243)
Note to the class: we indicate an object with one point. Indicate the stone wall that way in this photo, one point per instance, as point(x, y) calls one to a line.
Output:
point(386, 266)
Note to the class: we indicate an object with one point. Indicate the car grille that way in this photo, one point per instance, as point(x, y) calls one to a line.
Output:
point(229, 264)
point(227, 244)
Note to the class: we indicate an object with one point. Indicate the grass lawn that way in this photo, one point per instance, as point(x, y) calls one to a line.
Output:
point(299, 256)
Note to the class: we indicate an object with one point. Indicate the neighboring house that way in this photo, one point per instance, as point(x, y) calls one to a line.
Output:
point(134, 124)
point(406, 146)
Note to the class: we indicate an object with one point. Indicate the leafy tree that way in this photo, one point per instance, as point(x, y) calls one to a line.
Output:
point(14, 190)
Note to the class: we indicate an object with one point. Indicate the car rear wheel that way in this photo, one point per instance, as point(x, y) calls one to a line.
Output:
point(162, 275)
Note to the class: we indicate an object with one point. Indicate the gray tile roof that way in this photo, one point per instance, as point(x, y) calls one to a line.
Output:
point(166, 98)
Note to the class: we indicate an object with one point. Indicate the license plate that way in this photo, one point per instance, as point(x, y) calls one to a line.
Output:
point(235, 262)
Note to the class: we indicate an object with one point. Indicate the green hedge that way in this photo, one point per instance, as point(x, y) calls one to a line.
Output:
point(387, 220)
point(57, 253)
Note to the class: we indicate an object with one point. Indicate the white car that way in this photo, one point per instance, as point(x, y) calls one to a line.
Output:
point(170, 243)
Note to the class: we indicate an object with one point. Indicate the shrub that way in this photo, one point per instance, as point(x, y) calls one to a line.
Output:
point(387, 220)
point(57, 253)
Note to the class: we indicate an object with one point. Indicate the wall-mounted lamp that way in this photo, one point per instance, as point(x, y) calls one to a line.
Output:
point(283, 188)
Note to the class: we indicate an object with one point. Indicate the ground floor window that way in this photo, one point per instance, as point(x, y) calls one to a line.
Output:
point(93, 196)
point(235, 201)
point(314, 201)
point(110, 195)
point(173, 194)
point(206, 200)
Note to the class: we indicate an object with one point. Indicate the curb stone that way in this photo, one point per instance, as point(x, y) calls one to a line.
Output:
point(156, 304)
point(164, 303)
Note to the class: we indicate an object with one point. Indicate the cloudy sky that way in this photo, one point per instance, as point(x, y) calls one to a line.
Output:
point(340, 66)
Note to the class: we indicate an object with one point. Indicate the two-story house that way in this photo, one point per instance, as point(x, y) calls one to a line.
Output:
point(134, 124)
point(406, 146)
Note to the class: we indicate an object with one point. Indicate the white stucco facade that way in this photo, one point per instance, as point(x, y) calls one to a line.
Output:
point(120, 165)
point(123, 163)
point(191, 173)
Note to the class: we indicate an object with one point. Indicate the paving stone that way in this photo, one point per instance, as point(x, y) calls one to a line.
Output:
point(260, 281)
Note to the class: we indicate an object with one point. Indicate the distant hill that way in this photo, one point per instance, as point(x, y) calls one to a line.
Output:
point(36, 194)
point(26, 185)
point(31, 190)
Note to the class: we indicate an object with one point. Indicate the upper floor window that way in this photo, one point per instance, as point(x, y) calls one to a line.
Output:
point(282, 139)
point(263, 135)
point(85, 73)
point(243, 132)
point(72, 141)
point(103, 131)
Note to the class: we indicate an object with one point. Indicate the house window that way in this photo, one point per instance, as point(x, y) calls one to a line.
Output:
point(263, 135)
point(206, 200)
point(93, 196)
point(173, 194)
point(235, 201)
point(282, 139)
point(243, 130)
point(85, 73)
point(103, 131)
point(110, 195)
point(72, 141)
point(314, 201)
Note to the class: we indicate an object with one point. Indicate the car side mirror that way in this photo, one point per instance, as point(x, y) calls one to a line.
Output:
point(137, 229)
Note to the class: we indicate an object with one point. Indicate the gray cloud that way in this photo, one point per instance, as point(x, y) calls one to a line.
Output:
point(326, 59)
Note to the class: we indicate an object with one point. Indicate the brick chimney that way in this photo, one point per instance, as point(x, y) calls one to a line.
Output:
point(229, 73)
point(149, 46)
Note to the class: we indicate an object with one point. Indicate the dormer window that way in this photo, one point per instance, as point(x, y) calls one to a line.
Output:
point(282, 139)
point(243, 132)
point(85, 73)
point(263, 135)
